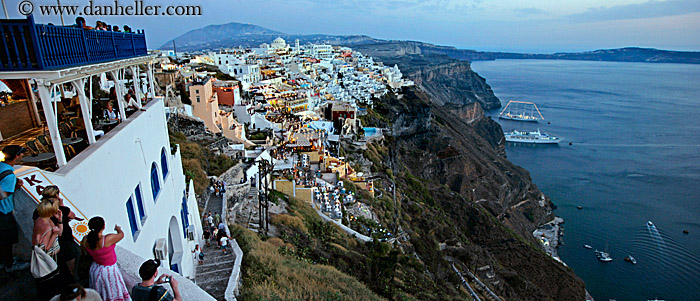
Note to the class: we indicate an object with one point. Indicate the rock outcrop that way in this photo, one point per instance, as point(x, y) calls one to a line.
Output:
point(458, 190)
point(446, 80)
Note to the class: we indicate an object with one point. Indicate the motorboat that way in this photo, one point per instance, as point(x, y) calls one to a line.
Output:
point(603, 256)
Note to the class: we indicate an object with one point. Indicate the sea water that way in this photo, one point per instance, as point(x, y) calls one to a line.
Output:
point(634, 157)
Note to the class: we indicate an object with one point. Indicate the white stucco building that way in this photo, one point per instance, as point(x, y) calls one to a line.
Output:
point(131, 176)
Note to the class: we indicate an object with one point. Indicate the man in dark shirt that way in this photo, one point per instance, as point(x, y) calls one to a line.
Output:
point(148, 288)
point(206, 235)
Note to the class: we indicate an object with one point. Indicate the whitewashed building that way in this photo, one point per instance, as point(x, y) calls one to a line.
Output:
point(132, 176)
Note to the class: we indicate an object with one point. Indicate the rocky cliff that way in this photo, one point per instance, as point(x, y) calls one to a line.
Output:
point(462, 200)
point(446, 80)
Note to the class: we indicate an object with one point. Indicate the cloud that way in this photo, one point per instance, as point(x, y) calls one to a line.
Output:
point(651, 9)
point(529, 11)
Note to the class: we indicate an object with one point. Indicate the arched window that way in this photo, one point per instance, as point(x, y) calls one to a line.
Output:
point(155, 181)
point(164, 163)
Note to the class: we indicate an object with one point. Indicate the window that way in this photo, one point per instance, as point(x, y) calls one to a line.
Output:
point(197, 98)
point(155, 183)
point(164, 163)
point(139, 203)
point(132, 218)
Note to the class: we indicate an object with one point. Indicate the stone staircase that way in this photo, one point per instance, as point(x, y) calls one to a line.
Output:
point(213, 275)
point(245, 212)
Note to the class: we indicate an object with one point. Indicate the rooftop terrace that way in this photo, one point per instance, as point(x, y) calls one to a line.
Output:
point(29, 46)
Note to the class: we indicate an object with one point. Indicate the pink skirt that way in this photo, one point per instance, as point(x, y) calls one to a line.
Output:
point(108, 281)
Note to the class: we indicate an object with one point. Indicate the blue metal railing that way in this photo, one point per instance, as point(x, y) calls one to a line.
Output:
point(25, 45)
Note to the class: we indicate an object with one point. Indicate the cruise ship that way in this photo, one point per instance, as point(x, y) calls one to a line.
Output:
point(535, 137)
point(521, 111)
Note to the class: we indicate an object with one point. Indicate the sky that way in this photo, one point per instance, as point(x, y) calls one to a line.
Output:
point(542, 26)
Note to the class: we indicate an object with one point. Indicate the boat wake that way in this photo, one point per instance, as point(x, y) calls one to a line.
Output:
point(656, 236)
point(661, 256)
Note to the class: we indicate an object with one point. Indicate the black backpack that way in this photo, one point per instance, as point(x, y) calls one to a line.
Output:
point(153, 296)
point(2, 177)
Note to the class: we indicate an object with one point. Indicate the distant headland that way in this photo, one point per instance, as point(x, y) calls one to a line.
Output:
point(214, 37)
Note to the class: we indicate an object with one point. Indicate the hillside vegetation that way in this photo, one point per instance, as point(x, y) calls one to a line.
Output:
point(198, 162)
point(272, 271)
point(455, 195)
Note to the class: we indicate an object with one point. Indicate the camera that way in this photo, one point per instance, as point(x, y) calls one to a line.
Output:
point(167, 278)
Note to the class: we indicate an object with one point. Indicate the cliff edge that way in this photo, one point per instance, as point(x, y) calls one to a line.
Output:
point(461, 200)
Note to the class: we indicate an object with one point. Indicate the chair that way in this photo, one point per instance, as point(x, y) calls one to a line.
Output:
point(70, 151)
point(74, 122)
point(46, 143)
point(31, 144)
point(66, 130)
point(42, 147)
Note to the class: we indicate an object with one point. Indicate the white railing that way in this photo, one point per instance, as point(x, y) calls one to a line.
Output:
point(235, 279)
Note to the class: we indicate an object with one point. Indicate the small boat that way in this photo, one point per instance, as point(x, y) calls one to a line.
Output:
point(685, 232)
point(604, 257)
point(587, 246)
point(579, 207)
point(630, 259)
point(649, 223)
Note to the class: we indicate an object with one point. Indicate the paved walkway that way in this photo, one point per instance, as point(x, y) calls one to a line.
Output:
point(213, 275)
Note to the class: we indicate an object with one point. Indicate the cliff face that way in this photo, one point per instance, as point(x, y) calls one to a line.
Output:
point(446, 80)
point(454, 83)
point(458, 191)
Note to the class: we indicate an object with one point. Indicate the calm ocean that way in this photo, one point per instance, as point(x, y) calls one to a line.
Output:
point(635, 157)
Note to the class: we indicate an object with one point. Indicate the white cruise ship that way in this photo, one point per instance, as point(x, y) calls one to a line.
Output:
point(535, 137)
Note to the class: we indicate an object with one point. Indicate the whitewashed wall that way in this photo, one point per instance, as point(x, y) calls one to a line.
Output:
point(100, 180)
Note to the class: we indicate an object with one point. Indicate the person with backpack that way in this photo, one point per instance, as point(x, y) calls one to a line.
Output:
point(149, 289)
point(198, 255)
point(9, 183)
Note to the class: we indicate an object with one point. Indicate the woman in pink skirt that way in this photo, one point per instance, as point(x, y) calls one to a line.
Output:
point(105, 276)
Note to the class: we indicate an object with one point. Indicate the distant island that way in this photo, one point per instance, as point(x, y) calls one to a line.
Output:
point(215, 37)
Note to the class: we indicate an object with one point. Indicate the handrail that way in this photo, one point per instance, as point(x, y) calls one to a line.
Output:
point(29, 46)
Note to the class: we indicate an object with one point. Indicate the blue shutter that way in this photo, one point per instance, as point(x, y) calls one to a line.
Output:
point(164, 164)
point(155, 183)
point(139, 202)
point(132, 216)
point(184, 214)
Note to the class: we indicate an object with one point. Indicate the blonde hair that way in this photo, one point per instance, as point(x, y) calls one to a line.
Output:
point(50, 192)
point(47, 208)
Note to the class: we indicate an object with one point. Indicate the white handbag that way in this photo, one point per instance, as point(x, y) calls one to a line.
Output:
point(42, 263)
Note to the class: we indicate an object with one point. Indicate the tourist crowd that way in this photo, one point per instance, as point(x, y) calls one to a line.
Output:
point(215, 232)
point(62, 268)
point(99, 25)
point(217, 187)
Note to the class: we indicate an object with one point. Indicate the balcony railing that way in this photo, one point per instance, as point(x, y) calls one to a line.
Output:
point(29, 46)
